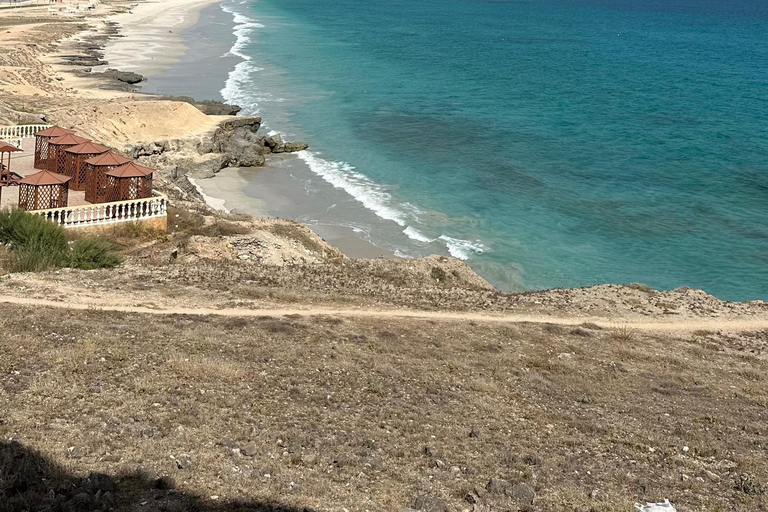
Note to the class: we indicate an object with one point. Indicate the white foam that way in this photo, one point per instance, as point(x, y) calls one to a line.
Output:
point(462, 249)
point(364, 190)
point(415, 234)
point(239, 79)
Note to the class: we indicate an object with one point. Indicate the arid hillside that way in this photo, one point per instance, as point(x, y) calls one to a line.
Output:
point(332, 413)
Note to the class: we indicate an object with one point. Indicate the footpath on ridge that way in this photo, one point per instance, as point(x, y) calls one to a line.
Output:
point(671, 325)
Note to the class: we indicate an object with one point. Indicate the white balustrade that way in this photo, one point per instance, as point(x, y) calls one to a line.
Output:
point(21, 131)
point(110, 213)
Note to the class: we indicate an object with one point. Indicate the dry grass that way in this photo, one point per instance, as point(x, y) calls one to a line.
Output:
point(340, 411)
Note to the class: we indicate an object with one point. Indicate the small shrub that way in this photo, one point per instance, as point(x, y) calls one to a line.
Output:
point(91, 253)
point(438, 274)
point(35, 243)
point(224, 228)
point(641, 287)
point(624, 333)
point(748, 485)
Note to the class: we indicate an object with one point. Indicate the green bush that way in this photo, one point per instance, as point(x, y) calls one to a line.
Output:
point(36, 244)
point(90, 253)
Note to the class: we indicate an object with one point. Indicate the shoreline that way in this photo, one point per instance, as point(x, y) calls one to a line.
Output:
point(183, 75)
point(155, 27)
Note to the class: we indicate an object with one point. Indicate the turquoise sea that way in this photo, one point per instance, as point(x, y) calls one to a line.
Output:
point(549, 143)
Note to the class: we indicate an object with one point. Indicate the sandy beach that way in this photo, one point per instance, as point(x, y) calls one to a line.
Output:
point(155, 27)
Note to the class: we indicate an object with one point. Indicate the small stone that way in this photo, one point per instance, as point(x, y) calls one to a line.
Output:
point(430, 451)
point(81, 501)
point(474, 433)
point(226, 442)
point(439, 464)
point(76, 452)
point(107, 500)
point(100, 482)
point(249, 450)
point(429, 504)
point(184, 462)
point(165, 483)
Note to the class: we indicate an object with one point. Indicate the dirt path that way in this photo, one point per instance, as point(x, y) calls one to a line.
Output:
point(686, 324)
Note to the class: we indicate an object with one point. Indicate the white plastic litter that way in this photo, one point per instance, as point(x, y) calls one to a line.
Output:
point(664, 506)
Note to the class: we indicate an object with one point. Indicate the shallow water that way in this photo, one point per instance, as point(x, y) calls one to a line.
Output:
point(552, 143)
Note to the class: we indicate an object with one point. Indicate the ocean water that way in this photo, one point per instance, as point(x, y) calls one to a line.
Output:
point(549, 143)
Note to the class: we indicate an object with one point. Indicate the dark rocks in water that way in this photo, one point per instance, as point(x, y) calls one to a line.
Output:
point(273, 141)
point(209, 107)
point(127, 77)
point(83, 60)
point(292, 147)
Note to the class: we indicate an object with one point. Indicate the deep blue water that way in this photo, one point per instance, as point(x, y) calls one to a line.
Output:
point(552, 142)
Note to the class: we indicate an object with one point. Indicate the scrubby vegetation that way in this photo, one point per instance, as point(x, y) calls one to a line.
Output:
point(34, 244)
point(326, 412)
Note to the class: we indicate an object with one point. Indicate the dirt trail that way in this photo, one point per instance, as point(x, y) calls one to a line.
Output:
point(687, 324)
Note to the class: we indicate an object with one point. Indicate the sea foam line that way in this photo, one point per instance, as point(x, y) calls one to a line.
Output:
point(236, 86)
point(363, 189)
point(238, 90)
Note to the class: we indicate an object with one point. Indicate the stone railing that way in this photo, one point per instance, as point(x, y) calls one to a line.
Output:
point(102, 214)
point(21, 131)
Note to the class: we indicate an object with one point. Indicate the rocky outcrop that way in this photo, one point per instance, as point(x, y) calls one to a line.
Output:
point(210, 107)
point(127, 77)
point(238, 139)
point(235, 143)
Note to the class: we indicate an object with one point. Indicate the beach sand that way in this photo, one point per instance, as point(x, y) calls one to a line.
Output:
point(278, 196)
point(156, 28)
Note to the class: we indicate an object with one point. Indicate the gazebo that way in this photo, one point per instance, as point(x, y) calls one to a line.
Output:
point(129, 181)
point(74, 162)
point(43, 190)
point(5, 168)
point(96, 170)
point(56, 149)
point(41, 144)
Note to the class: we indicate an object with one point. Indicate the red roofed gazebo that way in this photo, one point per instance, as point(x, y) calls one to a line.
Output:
point(5, 168)
point(41, 144)
point(43, 190)
point(129, 181)
point(96, 170)
point(56, 149)
point(74, 162)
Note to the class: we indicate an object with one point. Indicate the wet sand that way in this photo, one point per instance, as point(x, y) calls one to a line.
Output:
point(152, 39)
point(227, 191)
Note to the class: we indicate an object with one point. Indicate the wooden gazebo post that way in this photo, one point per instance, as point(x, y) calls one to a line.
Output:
point(74, 162)
point(56, 153)
point(43, 190)
point(95, 175)
point(5, 167)
point(41, 144)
